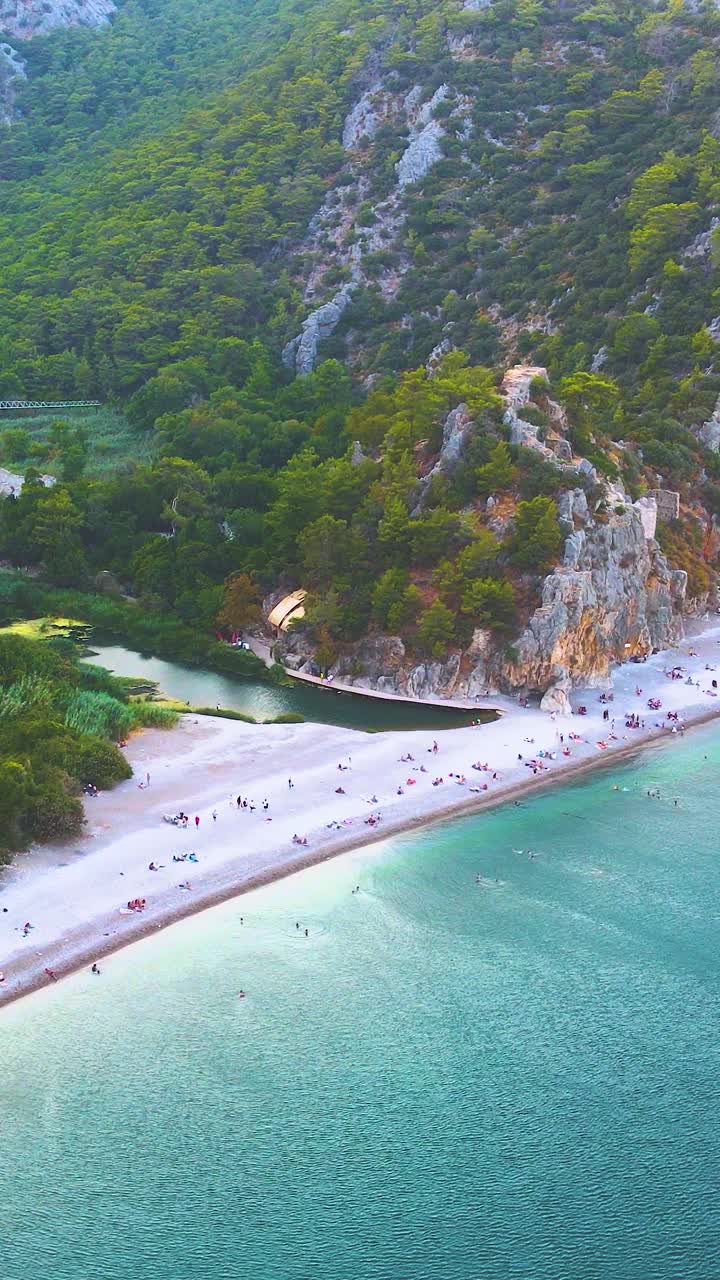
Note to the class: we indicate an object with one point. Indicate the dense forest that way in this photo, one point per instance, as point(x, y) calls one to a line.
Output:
point(60, 723)
point(177, 200)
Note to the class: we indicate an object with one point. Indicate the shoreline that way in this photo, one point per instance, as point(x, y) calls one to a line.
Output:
point(91, 950)
point(97, 933)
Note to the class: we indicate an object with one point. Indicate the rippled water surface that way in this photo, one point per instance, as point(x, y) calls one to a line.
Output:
point(511, 1080)
point(264, 701)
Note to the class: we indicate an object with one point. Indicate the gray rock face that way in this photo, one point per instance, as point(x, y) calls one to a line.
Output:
point(709, 432)
point(12, 69)
point(562, 450)
point(365, 118)
point(701, 244)
point(421, 154)
point(647, 510)
point(516, 389)
point(574, 547)
point(11, 484)
point(572, 506)
point(26, 18)
point(424, 148)
point(613, 597)
point(587, 469)
point(458, 426)
point(557, 699)
point(433, 679)
point(301, 352)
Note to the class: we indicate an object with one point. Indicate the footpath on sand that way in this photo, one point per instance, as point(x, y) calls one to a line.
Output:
point(310, 792)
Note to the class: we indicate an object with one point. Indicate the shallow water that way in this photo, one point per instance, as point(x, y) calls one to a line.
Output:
point(510, 1081)
point(264, 701)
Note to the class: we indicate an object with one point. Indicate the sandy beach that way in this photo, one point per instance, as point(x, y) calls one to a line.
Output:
point(75, 896)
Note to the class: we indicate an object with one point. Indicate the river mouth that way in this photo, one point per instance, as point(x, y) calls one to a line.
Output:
point(202, 688)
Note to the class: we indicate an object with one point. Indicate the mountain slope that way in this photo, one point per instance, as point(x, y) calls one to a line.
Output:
point(392, 205)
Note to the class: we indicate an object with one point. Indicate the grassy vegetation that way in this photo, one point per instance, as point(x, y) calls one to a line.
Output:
point(43, 628)
point(60, 722)
point(111, 442)
point(224, 713)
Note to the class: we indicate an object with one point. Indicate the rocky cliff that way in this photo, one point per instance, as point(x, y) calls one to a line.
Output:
point(26, 18)
point(12, 71)
point(336, 238)
point(612, 598)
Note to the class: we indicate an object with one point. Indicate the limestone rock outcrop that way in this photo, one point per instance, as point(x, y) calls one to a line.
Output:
point(423, 151)
point(557, 699)
point(24, 19)
point(457, 428)
point(301, 352)
point(613, 598)
point(516, 389)
point(11, 484)
point(12, 70)
point(709, 432)
point(364, 119)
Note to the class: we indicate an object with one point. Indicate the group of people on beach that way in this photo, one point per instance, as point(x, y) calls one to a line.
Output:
point(537, 761)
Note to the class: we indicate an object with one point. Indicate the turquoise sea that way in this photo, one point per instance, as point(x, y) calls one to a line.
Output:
point(516, 1080)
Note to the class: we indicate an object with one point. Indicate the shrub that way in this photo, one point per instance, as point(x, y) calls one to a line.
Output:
point(100, 715)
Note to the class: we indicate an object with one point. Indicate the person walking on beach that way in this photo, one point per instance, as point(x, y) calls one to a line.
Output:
point(239, 801)
point(214, 815)
point(197, 821)
point(290, 784)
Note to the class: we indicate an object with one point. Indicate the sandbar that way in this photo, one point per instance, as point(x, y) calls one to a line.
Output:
point(75, 895)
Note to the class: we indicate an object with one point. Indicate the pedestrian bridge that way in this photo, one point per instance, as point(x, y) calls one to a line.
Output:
point(50, 404)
